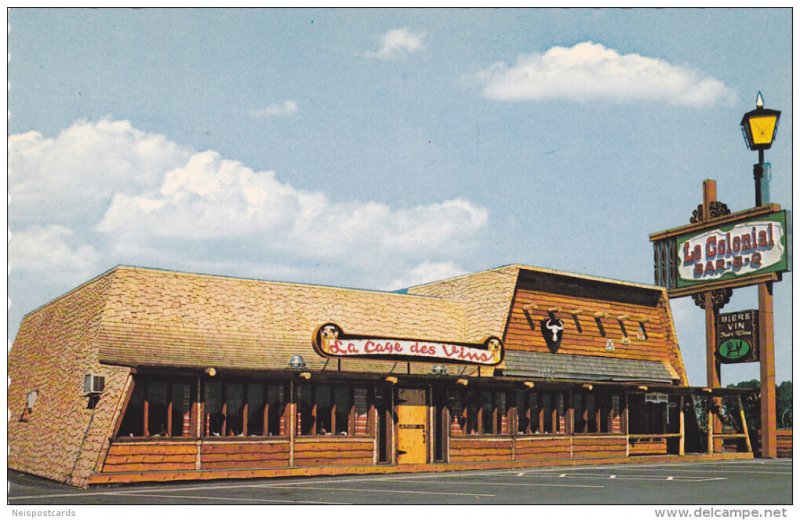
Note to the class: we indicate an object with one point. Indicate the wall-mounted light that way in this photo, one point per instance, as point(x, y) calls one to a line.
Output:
point(305, 375)
point(31, 399)
point(462, 382)
point(210, 371)
point(391, 380)
point(297, 362)
point(529, 384)
point(439, 370)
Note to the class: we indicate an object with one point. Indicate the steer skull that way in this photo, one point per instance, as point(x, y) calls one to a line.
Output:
point(555, 326)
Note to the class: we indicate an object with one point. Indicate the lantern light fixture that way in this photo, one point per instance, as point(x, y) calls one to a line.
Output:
point(760, 126)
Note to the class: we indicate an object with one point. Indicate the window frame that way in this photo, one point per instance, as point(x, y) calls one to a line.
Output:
point(141, 383)
point(332, 410)
point(469, 415)
point(549, 411)
point(244, 411)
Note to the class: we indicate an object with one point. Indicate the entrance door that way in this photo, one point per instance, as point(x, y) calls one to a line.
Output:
point(412, 426)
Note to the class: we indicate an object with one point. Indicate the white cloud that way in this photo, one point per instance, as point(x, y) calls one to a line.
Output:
point(120, 195)
point(51, 250)
point(285, 109)
point(427, 272)
point(211, 198)
point(75, 174)
point(398, 43)
point(590, 72)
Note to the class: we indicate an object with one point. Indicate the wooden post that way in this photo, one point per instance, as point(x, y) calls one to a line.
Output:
point(710, 425)
point(744, 424)
point(682, 429)
point(291, 419)
point(769, 439)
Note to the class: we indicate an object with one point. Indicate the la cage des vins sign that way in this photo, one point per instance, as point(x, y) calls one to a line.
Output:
point(737, 336)
point(746, 248)
point(331, 341)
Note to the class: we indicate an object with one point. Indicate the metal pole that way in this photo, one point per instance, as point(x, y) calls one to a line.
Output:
point(758, 174)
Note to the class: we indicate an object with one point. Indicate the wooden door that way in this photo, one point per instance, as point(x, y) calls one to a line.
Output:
point(412, 426)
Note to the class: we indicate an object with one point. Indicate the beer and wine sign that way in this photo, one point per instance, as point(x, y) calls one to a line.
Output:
point(737, 337)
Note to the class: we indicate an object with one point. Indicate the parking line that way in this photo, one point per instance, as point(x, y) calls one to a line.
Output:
point(227, 499)
point(393, 491)
point(515, 484)
point(617, 476)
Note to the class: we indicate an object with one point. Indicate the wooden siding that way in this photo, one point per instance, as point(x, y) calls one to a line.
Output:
point(785, 444)
point(333, 452)
point(151, 456)
point(651, 446)
point(600, 446)
point(541, 448)
point(524, 333)
point(227, 455)
point(473, 449)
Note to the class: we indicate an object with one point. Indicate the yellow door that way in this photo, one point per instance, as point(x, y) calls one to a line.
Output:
point(412, 426)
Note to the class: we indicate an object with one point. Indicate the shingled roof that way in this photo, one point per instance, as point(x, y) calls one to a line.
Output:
point(165, 318)
point(593, 368)
point(191, 320)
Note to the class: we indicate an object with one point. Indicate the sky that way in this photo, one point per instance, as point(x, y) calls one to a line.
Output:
point(384, 148)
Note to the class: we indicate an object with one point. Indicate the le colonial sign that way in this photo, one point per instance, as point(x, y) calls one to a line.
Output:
point(331, 341)
point(739, 249)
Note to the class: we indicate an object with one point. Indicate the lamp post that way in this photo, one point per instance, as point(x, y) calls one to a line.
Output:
point(759, 128)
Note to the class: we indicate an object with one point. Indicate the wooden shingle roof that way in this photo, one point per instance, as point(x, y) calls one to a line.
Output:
point(165, 318)
point(190, 320)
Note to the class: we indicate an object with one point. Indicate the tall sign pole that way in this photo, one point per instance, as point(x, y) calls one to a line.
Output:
point(712, 363)
point(769, 428)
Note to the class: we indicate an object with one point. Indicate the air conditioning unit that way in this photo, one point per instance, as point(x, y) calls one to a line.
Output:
point(93, 384)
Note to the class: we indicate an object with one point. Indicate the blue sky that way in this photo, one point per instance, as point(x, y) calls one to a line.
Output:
point(384, 148)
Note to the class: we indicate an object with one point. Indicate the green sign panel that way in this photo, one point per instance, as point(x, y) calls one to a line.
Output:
point(748, 247)
point(737, 336)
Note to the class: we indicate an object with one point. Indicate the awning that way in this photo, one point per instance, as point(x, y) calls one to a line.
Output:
point(544, 365)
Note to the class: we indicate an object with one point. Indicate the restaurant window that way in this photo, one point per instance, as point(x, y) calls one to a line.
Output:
point(158, 408)
point(540, 413)
point(238, 409)
point(332, 410)
point(588, 410)
point(479, 412)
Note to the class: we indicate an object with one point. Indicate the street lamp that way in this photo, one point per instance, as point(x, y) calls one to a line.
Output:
point(759, 127)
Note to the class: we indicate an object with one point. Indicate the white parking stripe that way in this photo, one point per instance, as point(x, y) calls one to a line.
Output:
point(228, 499)
point(393, 491)
point(515, 484)
point(617, 476)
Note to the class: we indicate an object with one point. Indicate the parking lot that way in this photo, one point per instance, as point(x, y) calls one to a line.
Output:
point(754, 482)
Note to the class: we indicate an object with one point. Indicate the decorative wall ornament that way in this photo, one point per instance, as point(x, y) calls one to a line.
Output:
point(716, 208)
point(553, 331)
point(719, 298)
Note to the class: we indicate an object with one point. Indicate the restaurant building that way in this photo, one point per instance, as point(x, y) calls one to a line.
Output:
point(151, 375)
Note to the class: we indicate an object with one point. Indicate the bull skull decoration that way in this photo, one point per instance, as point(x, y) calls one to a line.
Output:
point(552, 330)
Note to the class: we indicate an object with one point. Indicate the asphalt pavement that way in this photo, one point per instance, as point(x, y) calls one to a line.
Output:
point(752, 482)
